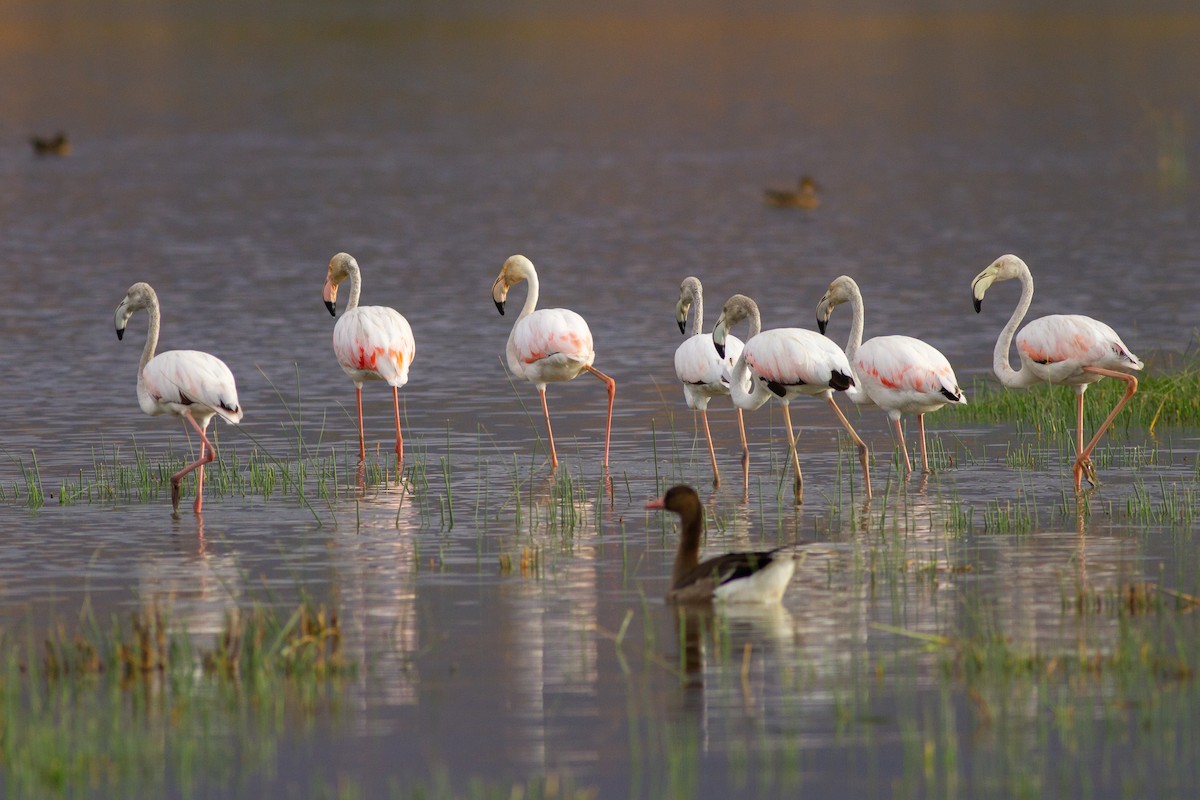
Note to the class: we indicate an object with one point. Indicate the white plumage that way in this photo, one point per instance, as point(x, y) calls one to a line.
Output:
point(785, 363)
point(703, 372)
point(189, 384)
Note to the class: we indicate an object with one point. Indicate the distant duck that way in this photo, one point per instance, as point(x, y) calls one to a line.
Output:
point(804, 196)
point(755, 577)
point(57, 145)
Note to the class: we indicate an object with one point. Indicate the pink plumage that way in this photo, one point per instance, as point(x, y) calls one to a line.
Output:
point(547, 345)
point(1065, 349)
point(371, 343)
point(900, 374)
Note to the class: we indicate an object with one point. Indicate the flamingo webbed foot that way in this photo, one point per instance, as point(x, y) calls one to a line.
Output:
point(1085, 469)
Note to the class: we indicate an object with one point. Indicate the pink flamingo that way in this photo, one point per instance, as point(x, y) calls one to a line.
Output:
point(186, 383)
point(784, 363)
point(1062, 349)
point(760, 577)
point(547, 345)
point(705, 374)
point(372, 343)
point(900, 374)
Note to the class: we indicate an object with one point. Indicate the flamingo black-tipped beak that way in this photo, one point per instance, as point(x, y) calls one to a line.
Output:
point(720, 348)
point(978, 304)
point(682, 326)
point(329, 304)
point(120, 334)
point(822, 324)
point(499, 306)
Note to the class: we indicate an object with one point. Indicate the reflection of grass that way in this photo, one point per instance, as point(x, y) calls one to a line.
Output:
point(128, 709)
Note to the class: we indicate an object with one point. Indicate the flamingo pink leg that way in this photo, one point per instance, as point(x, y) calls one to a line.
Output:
point(207, 454)
point(1079, 390)
point(549, 430)
point(712, 454)
point(924, 450)
point(798, 486)
point(903, 447)
point(399, 438)
point(612, 393)
point(745, 451)
point(1083, 463)
point(362, 438)
point(864, 455)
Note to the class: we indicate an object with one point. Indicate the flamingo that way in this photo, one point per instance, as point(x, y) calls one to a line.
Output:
point(755, 577)
point(900, 374)
point(372, 343)
point(189, 384)
point(704, 374)
point(547, 345)
point(1062, 349)
point(786, 363)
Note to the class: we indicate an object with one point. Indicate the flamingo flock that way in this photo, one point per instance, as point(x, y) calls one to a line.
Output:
point(899, 374)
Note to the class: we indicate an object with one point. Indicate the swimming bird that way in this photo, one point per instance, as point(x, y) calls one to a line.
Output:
point(547, 345)
point(754, 577)
point(805, 195)
point(900, 374)
point(705, 374)
point(189, 384)
point(1062, 349)
point(372, 343)
point(57, 145)
point(784, 363)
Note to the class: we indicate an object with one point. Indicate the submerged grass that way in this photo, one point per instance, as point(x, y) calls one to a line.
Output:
point(126, 707)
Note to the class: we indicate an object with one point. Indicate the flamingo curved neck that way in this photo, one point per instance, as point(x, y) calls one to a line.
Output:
point(697, 313)
point(531, 299)
point(355, 289)
point(857, 313)
point(1022, 378)
point(740, 375)
point(152, 328)
point(856, 323)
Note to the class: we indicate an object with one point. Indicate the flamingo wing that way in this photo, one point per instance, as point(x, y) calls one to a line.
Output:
point(550, 339)
point(697, 363)
point(788, 357)
point(374, 342)
point(179, 381)
point(1074, 339)
point(906, 374)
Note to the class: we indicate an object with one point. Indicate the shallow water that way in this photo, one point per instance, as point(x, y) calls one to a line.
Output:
point(225, 155)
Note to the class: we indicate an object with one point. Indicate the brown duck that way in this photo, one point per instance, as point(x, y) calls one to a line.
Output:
point(57, 145)
point(804, 196)
point(757, 577)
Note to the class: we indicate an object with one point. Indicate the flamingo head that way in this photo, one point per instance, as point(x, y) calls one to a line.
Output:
point(1004, 268)
point(689, 291)
point(340, 268)
point(840, 291)
point(516, 269)
point(736, 309)
point(139, 298)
